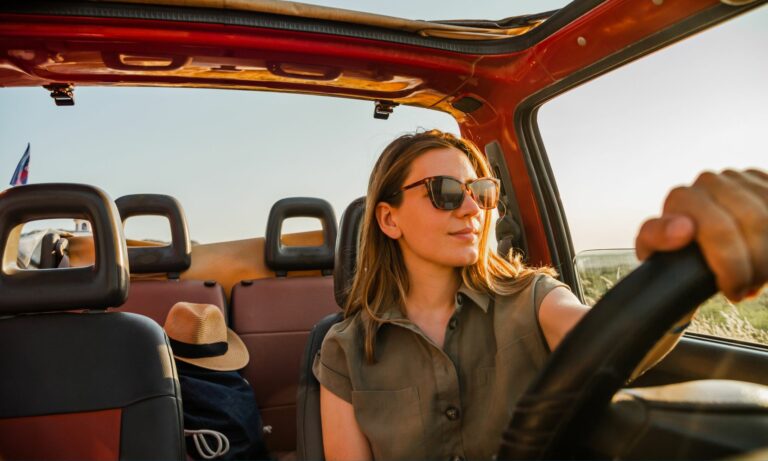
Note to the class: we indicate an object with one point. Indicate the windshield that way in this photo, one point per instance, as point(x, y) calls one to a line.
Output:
point(699, 105)
point(226, 155)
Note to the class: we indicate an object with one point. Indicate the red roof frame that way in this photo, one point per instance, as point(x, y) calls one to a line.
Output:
point(30, 44)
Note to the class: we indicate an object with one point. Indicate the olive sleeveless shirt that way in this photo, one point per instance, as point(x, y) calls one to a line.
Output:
point(418, 401)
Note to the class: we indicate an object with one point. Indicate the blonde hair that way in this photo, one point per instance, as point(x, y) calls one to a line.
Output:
point(381, 278)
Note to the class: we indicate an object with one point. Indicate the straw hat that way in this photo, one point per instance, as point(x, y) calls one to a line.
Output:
point(199, 335)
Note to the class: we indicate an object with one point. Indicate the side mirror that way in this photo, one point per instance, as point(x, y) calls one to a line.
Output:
point(599, 270)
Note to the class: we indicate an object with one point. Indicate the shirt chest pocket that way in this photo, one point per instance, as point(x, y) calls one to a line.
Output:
point(391, 420)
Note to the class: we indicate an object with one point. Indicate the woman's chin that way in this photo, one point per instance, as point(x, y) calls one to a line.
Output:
point(465, 257)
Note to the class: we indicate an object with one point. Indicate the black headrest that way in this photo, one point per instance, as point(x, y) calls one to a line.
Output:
point(175, 257)
point(282, 258)
point(346, 249)
point(102, 285)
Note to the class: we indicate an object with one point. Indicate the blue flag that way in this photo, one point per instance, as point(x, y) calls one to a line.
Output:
point(21, 174)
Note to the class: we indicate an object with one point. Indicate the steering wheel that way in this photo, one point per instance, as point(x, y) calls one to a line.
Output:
point(598, 356)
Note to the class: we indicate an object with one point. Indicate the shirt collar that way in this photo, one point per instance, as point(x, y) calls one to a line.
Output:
point(481, 300)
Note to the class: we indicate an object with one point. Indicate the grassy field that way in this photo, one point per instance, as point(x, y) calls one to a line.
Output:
point(745, 321)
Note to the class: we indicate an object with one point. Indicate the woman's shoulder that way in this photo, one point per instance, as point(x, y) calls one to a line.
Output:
point(346, 332)
point(528, 290)
point(543, 282)
point(514, 287)
point(516, 312)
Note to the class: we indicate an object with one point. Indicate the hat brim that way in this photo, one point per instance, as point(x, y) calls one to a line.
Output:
point(235, 358)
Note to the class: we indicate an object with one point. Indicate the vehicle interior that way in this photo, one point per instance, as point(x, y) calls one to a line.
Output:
point(88, 372)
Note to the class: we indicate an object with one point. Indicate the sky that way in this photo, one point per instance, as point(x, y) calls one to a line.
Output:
point(616, 144)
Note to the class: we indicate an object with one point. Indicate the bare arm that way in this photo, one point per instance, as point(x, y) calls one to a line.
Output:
point(560, 310)
point(342, 438)
point(727, 214)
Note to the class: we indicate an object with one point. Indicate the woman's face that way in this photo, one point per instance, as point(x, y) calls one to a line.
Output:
point(429, 235)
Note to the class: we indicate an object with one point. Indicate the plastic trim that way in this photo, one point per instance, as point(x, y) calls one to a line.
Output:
point(176, 257)
point(236, 18)
point(100, 286)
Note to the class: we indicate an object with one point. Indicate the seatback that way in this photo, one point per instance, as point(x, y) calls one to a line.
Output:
point(155, 283)
point(309, 445)
point(53, 251)
point(92, 385)
point(273, 316)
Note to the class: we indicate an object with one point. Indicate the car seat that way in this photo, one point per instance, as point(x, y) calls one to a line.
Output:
point(155, 283)
point(274, 315)
point(309, 445)
point(91, 385)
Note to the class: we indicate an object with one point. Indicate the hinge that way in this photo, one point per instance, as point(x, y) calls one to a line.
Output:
point(63, 94)
point(383, 109)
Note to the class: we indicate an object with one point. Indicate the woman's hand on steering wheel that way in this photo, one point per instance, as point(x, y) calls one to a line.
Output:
point(727, 214)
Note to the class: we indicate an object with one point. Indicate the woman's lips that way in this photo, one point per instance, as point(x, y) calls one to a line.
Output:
point(468, 233)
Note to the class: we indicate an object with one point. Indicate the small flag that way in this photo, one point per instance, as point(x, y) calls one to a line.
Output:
point(21, 174)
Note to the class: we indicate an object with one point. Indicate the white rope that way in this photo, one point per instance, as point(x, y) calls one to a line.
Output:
point(205, 450)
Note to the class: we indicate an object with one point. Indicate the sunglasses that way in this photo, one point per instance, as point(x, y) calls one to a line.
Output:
point(447, 193)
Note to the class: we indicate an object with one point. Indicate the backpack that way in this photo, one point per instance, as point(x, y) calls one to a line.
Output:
point(220, 402)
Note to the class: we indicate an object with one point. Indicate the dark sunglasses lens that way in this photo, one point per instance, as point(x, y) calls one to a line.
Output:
point(447, 193)
point(486, 193)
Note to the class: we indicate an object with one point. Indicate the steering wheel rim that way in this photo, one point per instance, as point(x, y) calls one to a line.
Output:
point(599, 354)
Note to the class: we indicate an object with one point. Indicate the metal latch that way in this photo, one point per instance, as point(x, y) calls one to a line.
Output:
point(383, 109)
point(63, 94)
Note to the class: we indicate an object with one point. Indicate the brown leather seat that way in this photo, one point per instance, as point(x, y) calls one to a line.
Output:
point(274, 316)
point(90, 385)
point(155, 297)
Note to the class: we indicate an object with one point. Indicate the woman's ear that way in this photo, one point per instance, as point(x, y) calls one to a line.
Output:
point(385, 216)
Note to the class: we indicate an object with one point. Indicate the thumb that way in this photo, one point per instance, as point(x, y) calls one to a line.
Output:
point(666, 233)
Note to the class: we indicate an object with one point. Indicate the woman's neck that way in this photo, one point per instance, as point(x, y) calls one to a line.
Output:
point(430, 301)
point(431, 288)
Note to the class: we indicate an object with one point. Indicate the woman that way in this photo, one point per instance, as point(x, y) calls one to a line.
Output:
point(441, 336)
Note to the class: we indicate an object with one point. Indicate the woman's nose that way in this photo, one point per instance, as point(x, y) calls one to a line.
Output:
point(469, 206)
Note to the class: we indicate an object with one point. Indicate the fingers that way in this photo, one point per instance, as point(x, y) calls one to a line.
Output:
point(754, 180)
point(758, 173)
point(727, 214)
point(719, 237)
point(745, 197)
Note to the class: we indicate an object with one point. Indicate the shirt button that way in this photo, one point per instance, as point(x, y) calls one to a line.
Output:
point(453, 323)
point(452, 413)
point(457, 458)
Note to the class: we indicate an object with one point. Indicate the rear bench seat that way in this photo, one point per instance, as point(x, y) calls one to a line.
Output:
point(155, 284)
point(273, 316)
